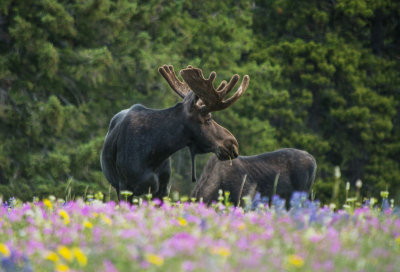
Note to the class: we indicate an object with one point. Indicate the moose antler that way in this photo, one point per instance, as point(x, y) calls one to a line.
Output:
point(204, 88)
point(181, 88)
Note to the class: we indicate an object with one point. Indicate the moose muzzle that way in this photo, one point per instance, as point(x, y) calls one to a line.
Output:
point(228, 150)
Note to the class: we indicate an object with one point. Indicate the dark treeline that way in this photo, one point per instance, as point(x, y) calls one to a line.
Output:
point(325, 77)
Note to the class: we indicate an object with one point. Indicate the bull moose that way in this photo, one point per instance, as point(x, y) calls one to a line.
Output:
point(139, 142)
point(295, 170)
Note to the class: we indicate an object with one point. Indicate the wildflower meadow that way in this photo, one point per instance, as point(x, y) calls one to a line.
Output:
point(138, 89)
point(54, 235)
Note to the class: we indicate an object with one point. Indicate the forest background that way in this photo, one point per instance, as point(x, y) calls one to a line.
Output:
point(325, 77)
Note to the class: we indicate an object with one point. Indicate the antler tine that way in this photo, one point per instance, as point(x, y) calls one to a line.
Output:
point(213, 98)
point(202, 87)
point(221, 85)
point(181, 88)
point(230, 86)
point(242, 89)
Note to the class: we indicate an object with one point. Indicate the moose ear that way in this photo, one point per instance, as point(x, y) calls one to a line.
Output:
point(196, 104)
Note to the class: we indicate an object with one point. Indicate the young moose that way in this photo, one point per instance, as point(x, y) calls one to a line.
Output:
point(137, 148)
point(295, 170)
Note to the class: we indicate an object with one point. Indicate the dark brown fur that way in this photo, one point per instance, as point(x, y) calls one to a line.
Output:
point(137, 148)
point(296, 170)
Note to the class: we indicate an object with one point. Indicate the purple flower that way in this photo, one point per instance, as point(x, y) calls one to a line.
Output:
point(279, 204)
point(243, 243)
point(385, 205)
point(129, 233)
point(181, 242)
point(15, 262)
point(157, 202)
point(188, 266)
point(335, 247)
point(203, 224)
point(109, 267)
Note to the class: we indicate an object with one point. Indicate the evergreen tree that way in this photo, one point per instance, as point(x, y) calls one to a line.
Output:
point(340, 78)
point(324, 78)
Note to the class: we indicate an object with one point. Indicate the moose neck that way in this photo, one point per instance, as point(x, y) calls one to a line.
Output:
point(171, 133)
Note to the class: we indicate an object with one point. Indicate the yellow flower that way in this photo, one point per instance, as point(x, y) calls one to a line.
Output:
point(182, 222)
point(48, 204)
point(62, 267)
point(88, 225)
point(221, 250)
point(52, 256)
point(155, 259)
point(5, 250)
point(398, 240)
point(241, 226)
point(295, 260)
point(80, 256)
point(384, 194)
point(64, 215)
point(106, 219)
point(65, 253)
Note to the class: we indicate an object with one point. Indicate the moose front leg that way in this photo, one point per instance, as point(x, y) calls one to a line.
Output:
point(192, 150)
point(164, 174)
point(118, 193)
point(121, 188)
point(149, 184)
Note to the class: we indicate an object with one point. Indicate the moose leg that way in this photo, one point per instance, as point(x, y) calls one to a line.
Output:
point(120, 187)
point(149, 183)
point(208, 191)
point(118, 194)
point(163, 176)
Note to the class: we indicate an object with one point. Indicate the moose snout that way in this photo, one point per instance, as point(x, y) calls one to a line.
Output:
point(235, 151)
point(228, 150)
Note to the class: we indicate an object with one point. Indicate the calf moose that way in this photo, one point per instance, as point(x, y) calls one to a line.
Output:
point(294, 168)
point(137, 148)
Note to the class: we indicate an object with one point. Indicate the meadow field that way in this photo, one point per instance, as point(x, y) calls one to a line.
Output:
point(92, 235)
point(325, 79)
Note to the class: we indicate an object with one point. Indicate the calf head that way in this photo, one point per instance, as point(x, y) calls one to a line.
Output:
point(200, 99)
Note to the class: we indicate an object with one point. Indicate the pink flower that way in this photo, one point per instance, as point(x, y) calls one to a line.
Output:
point(109, 267)
point(181, 242)
point(188, 266)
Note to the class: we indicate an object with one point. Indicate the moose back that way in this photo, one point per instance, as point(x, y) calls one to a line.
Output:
point(295, 170)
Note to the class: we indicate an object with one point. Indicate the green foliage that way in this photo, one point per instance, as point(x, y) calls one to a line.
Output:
point(332, 60)
point(324, 78)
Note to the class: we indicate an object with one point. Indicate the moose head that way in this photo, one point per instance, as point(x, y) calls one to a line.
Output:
point(200, 99)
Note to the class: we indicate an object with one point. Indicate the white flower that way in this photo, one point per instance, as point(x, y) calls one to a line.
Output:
point(337, 172)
